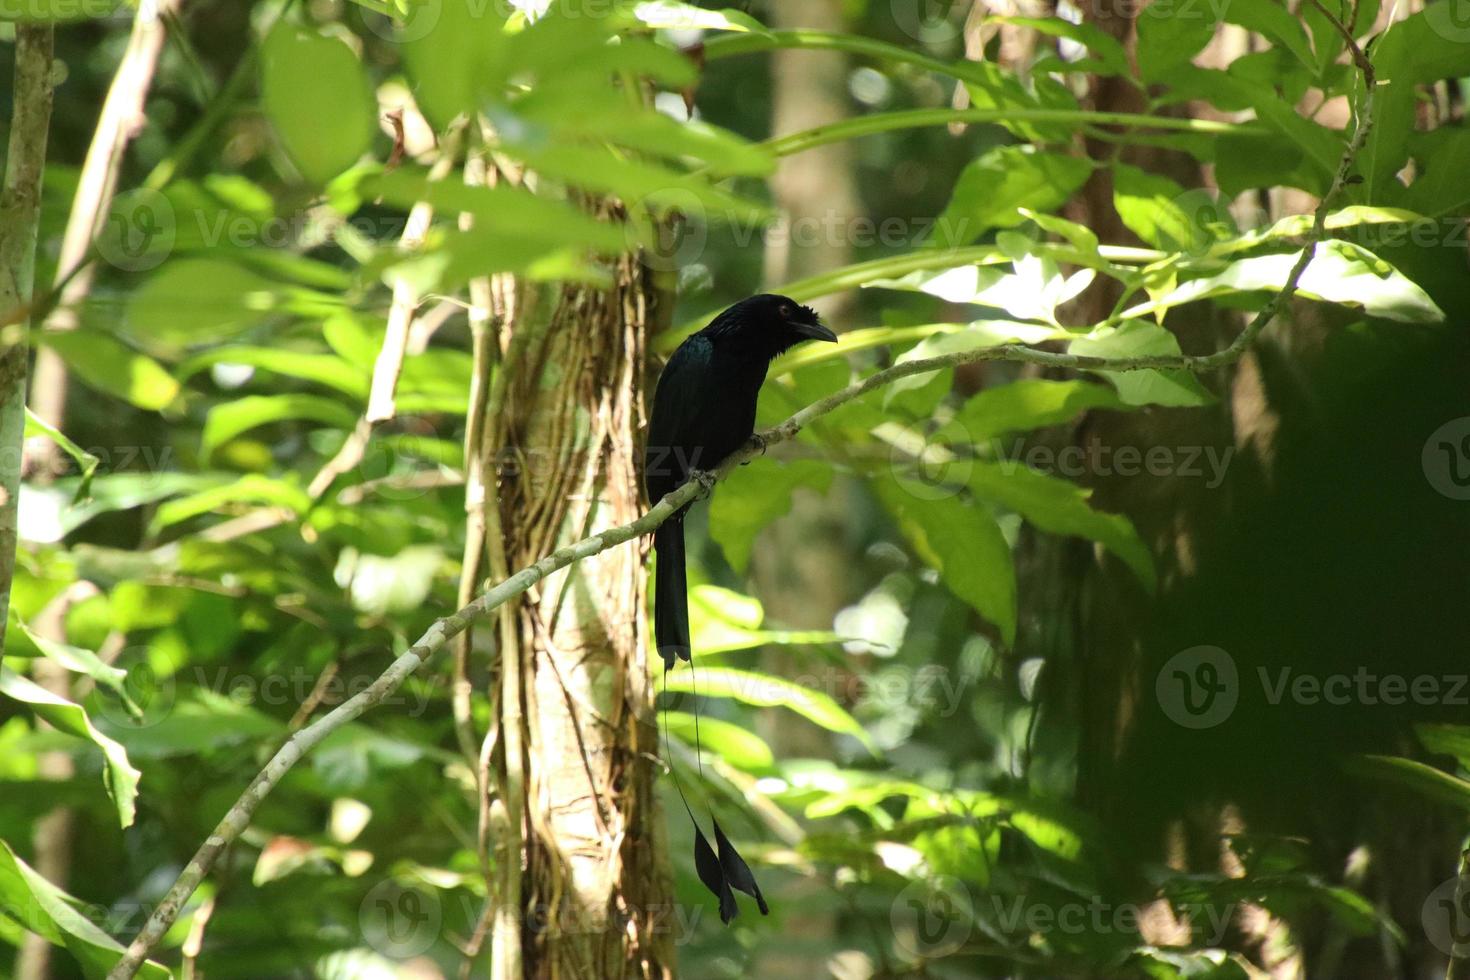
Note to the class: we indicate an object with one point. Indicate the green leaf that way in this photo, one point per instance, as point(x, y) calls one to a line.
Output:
point(1426, 781)
point(722, 621)
point(992, 188)
point(1139, 338)
point(55, 11)
point(1059, 506)
point(962, 542)
point(1340, 272)
point(200, 722)
point(740, 748)
point(1246, 161)
point(1167, 216)
point(86, 462)
point(1032, 403)
point(1032, 292)
point(512, 212)
point(753, 497)
point(195, 301)
point(349, 336)
point(451, 50)
point(1111, 55)
point(226, 421)
point(1080, 237)
point(670, 15)
point(109, 366)
point(1426, 46)
point(973, 336)
point(317, 98)
point(649, 185)
point(742, 611)
point(768, 691)
point(1272, 19)
point(864, 338)
point(1440, 186)
point(74, 659)
point(1234, 90)
point(1298, 225)
point(249, 489)
point(118, 775)
point(42, 908)
point(1452, 740)
point(324, 369)
point(125, 491)
point(1171, 34)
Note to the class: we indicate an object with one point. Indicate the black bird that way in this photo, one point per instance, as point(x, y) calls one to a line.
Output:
point(704, 410)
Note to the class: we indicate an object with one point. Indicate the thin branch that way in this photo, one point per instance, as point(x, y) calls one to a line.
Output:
point(20, 217)
point(238, 817)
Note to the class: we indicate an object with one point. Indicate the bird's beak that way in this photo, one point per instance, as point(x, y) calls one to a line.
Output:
point(815, 331)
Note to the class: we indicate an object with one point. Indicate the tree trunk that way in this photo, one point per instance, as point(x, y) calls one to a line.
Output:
point(593, 890)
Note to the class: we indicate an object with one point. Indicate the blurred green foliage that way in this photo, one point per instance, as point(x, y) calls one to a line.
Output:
point(226, 354)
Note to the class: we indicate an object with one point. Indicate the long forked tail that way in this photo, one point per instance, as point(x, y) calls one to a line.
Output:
point(670, 594)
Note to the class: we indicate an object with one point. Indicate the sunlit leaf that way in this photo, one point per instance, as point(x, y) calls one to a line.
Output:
point(192, 301)
point(992, 189)
point(118, 774)
point(47, 911)
point(229, 419)
point(317, 98)
point(963, 543)
point(1030, 403)
point(104, 363)
point(768, 691)
point(1423, 780)
point(742, 749)
point(1139, 338)
point(86, 462)
point(1340, 272)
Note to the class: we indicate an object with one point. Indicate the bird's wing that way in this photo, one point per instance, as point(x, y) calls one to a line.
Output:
point(679, 404)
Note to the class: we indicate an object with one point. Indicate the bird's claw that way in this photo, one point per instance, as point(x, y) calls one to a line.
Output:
point(759, 441)
point(705, 478)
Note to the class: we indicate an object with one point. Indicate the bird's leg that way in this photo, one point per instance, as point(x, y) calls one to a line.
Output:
point(706, 480)
point(759, 441)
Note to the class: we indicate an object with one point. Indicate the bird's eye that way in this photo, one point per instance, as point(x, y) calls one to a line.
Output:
point(785, 311)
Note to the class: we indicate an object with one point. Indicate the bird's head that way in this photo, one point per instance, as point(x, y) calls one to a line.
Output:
point(774, 324)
